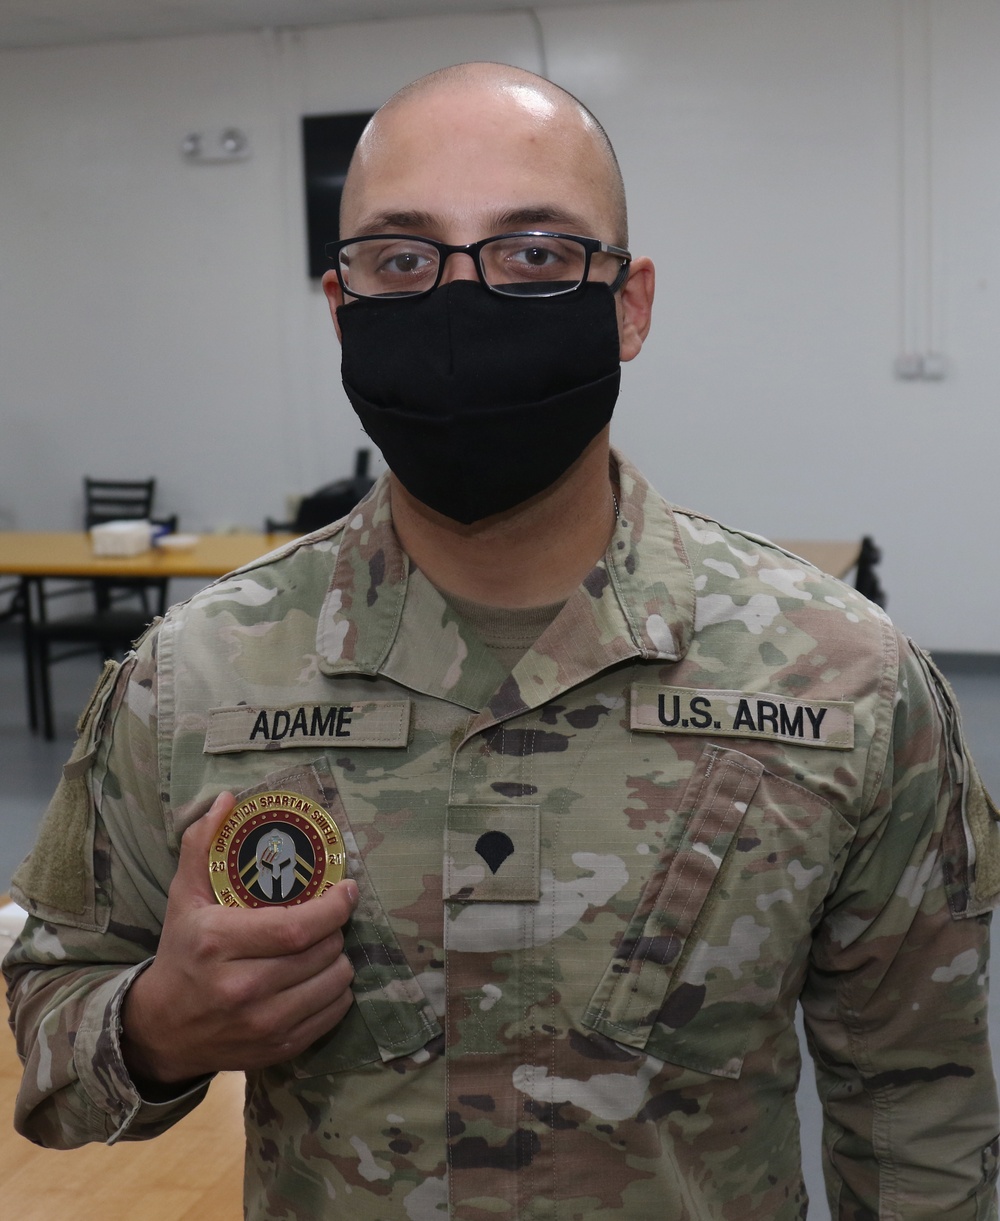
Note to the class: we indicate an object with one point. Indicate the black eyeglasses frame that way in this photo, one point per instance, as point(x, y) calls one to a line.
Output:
point(591, 246)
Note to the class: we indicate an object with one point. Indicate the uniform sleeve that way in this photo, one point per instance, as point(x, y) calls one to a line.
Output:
point(895, 1003)
point(95, 889)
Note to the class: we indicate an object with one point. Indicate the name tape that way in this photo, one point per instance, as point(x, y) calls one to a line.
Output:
point(250, 727)
point(828, 724)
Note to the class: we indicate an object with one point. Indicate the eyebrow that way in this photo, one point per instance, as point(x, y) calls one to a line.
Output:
point(532, 216)
point(399, 222)
point(544, 215)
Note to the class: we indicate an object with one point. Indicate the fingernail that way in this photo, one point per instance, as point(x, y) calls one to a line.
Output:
point(352, 891)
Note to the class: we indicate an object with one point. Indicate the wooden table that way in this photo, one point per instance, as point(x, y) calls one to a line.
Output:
point(841, 558)
point(40, 554)
point(37, 556)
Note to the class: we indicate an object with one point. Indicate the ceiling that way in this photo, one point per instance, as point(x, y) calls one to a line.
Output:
point(42, 23)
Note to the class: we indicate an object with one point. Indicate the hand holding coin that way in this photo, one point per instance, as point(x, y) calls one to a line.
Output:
point(235, 987)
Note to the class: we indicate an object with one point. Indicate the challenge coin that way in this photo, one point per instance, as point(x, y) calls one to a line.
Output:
point(275, 849)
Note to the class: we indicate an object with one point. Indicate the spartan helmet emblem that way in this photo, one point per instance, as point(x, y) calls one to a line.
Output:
point(276, 862)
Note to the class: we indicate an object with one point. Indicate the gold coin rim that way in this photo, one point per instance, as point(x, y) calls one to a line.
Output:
point(321, 821)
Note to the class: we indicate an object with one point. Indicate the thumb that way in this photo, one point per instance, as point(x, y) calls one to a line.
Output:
point(192, 868)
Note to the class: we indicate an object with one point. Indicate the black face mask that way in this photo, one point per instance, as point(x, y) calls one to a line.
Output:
point(478, 401)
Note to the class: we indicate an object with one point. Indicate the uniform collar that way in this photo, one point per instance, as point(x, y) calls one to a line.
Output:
point(382, 617)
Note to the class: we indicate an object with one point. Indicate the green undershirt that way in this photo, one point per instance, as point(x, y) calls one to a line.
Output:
point(507, 632)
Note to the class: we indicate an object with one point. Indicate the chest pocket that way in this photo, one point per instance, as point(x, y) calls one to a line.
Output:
point(723, 919)
point(391, 1016)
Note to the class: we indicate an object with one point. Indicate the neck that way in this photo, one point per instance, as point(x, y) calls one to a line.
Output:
point(532, 555)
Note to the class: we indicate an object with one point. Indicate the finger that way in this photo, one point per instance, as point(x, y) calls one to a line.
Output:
point(267, 1020)
point(303, 1013)
point(315, 994)
point(289, 1042)
point(279, 931)
point(267, 978)
point(192, 867)
point(319, 1023)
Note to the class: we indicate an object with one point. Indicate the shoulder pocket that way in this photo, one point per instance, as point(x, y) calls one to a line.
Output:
point(723, 919)
point(57, 880)
point(391, 1016)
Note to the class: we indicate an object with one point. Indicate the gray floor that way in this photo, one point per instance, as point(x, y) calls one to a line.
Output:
point(30, 768)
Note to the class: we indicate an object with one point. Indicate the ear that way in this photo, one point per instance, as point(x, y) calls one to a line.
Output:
point(635, 307)
point(334, 296)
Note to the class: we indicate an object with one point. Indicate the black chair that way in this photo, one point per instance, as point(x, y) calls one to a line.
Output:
point(330, 502)
point(119, 609)
point(107, 500)
point(116, 500)
point(109, 630)
point(11, 599)
point(13, 606)
point(866, 580)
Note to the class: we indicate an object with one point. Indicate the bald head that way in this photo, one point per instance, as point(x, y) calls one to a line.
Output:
point(505, 103)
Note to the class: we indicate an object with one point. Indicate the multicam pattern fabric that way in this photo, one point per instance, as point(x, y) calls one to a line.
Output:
point(593, 890)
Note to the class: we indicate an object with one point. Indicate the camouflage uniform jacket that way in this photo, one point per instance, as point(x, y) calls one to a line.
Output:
point(720, 782)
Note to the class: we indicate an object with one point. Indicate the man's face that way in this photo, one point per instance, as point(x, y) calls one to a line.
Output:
point(458, 164)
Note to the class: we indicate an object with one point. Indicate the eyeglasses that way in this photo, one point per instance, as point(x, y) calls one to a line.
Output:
point(513, 264)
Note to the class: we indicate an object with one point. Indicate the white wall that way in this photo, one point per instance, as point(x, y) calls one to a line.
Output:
point(765, 140)
point(155, 317)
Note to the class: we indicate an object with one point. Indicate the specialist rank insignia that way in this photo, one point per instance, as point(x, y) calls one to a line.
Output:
point(275, 849)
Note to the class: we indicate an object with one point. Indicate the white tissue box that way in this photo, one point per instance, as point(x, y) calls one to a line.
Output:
point(121, 537)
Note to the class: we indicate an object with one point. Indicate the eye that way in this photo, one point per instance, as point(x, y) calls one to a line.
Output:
point(380, 266)
point(535, 256)
point(531, 255)
point(404, 262)
point(532, 262)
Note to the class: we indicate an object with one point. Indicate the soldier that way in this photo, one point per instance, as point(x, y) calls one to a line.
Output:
point(614, 787)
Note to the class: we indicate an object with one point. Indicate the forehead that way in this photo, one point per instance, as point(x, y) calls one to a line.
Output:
point(472, 161)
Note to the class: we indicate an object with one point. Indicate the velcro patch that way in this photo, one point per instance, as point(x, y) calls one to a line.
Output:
point(367, 723)
point(491, 854)
point(743, 714)
point(983, 820)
